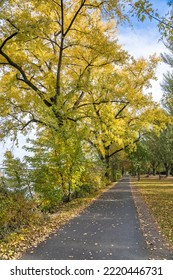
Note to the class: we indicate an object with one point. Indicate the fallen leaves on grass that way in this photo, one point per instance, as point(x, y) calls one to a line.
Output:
point(158, 195)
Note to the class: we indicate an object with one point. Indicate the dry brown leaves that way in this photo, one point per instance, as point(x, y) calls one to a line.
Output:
point(18, 242)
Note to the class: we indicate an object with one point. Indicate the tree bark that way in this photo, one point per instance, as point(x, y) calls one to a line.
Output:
point(154, 168)
point(139, 174)
point(107, 163)
point(167, 167)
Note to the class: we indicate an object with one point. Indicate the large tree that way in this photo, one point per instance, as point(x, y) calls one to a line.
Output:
point(47, 51)
point(62, 70)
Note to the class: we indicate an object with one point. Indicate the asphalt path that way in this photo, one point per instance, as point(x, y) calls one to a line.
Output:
point(108, 229)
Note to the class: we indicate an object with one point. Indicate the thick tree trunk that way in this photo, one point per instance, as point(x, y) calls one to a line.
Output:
point(107, 163)
point(167, 168)
point(123, 171)
point(69, 193)
point(171, 170)
point(154, 168)
point(139, 176)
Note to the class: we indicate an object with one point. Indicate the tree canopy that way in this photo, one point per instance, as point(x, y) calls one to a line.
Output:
point(65, 76)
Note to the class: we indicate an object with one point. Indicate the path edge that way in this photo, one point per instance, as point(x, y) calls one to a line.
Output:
point(156, 243)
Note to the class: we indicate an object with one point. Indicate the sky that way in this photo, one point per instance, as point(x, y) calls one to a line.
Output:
point(141, 40)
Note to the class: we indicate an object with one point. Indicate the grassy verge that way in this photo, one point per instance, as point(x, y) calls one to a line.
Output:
point(158, 195)
point(18, 242)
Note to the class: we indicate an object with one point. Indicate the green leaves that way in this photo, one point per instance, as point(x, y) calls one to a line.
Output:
point(64, 75)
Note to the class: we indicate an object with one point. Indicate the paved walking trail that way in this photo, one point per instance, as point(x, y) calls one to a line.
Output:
point(108, 229)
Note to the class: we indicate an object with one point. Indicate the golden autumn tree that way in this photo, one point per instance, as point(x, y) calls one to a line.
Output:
point(117, 111)
point(64, 74)
point(45, 56)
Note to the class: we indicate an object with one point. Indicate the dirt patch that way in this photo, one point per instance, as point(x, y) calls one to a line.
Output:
point(157, 244)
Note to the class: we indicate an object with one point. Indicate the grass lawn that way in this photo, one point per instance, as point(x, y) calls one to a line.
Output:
point(158, 194)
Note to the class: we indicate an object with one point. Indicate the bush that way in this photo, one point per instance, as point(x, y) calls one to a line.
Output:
point(15, 212)
point(116, 176)
point(91, 180)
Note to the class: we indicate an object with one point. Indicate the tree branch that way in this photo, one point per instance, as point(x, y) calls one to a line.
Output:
point(96, 6)
point(19, 68)
point(103, 102)
point(22, 72)
point(158, 19)
point(96, 147)
point(151, 15)
point(31, 121)
point(7, 39)
point(12, 24)
point(61, 47)
point(123, 148)
point(122, 109)
point(75, 16)
point(76, 104)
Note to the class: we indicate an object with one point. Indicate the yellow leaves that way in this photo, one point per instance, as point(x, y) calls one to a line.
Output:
point(39, 229)
point(158, 195)
point(140, 72)
point(101, 87)
point(101, 101)
point(42, 54)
